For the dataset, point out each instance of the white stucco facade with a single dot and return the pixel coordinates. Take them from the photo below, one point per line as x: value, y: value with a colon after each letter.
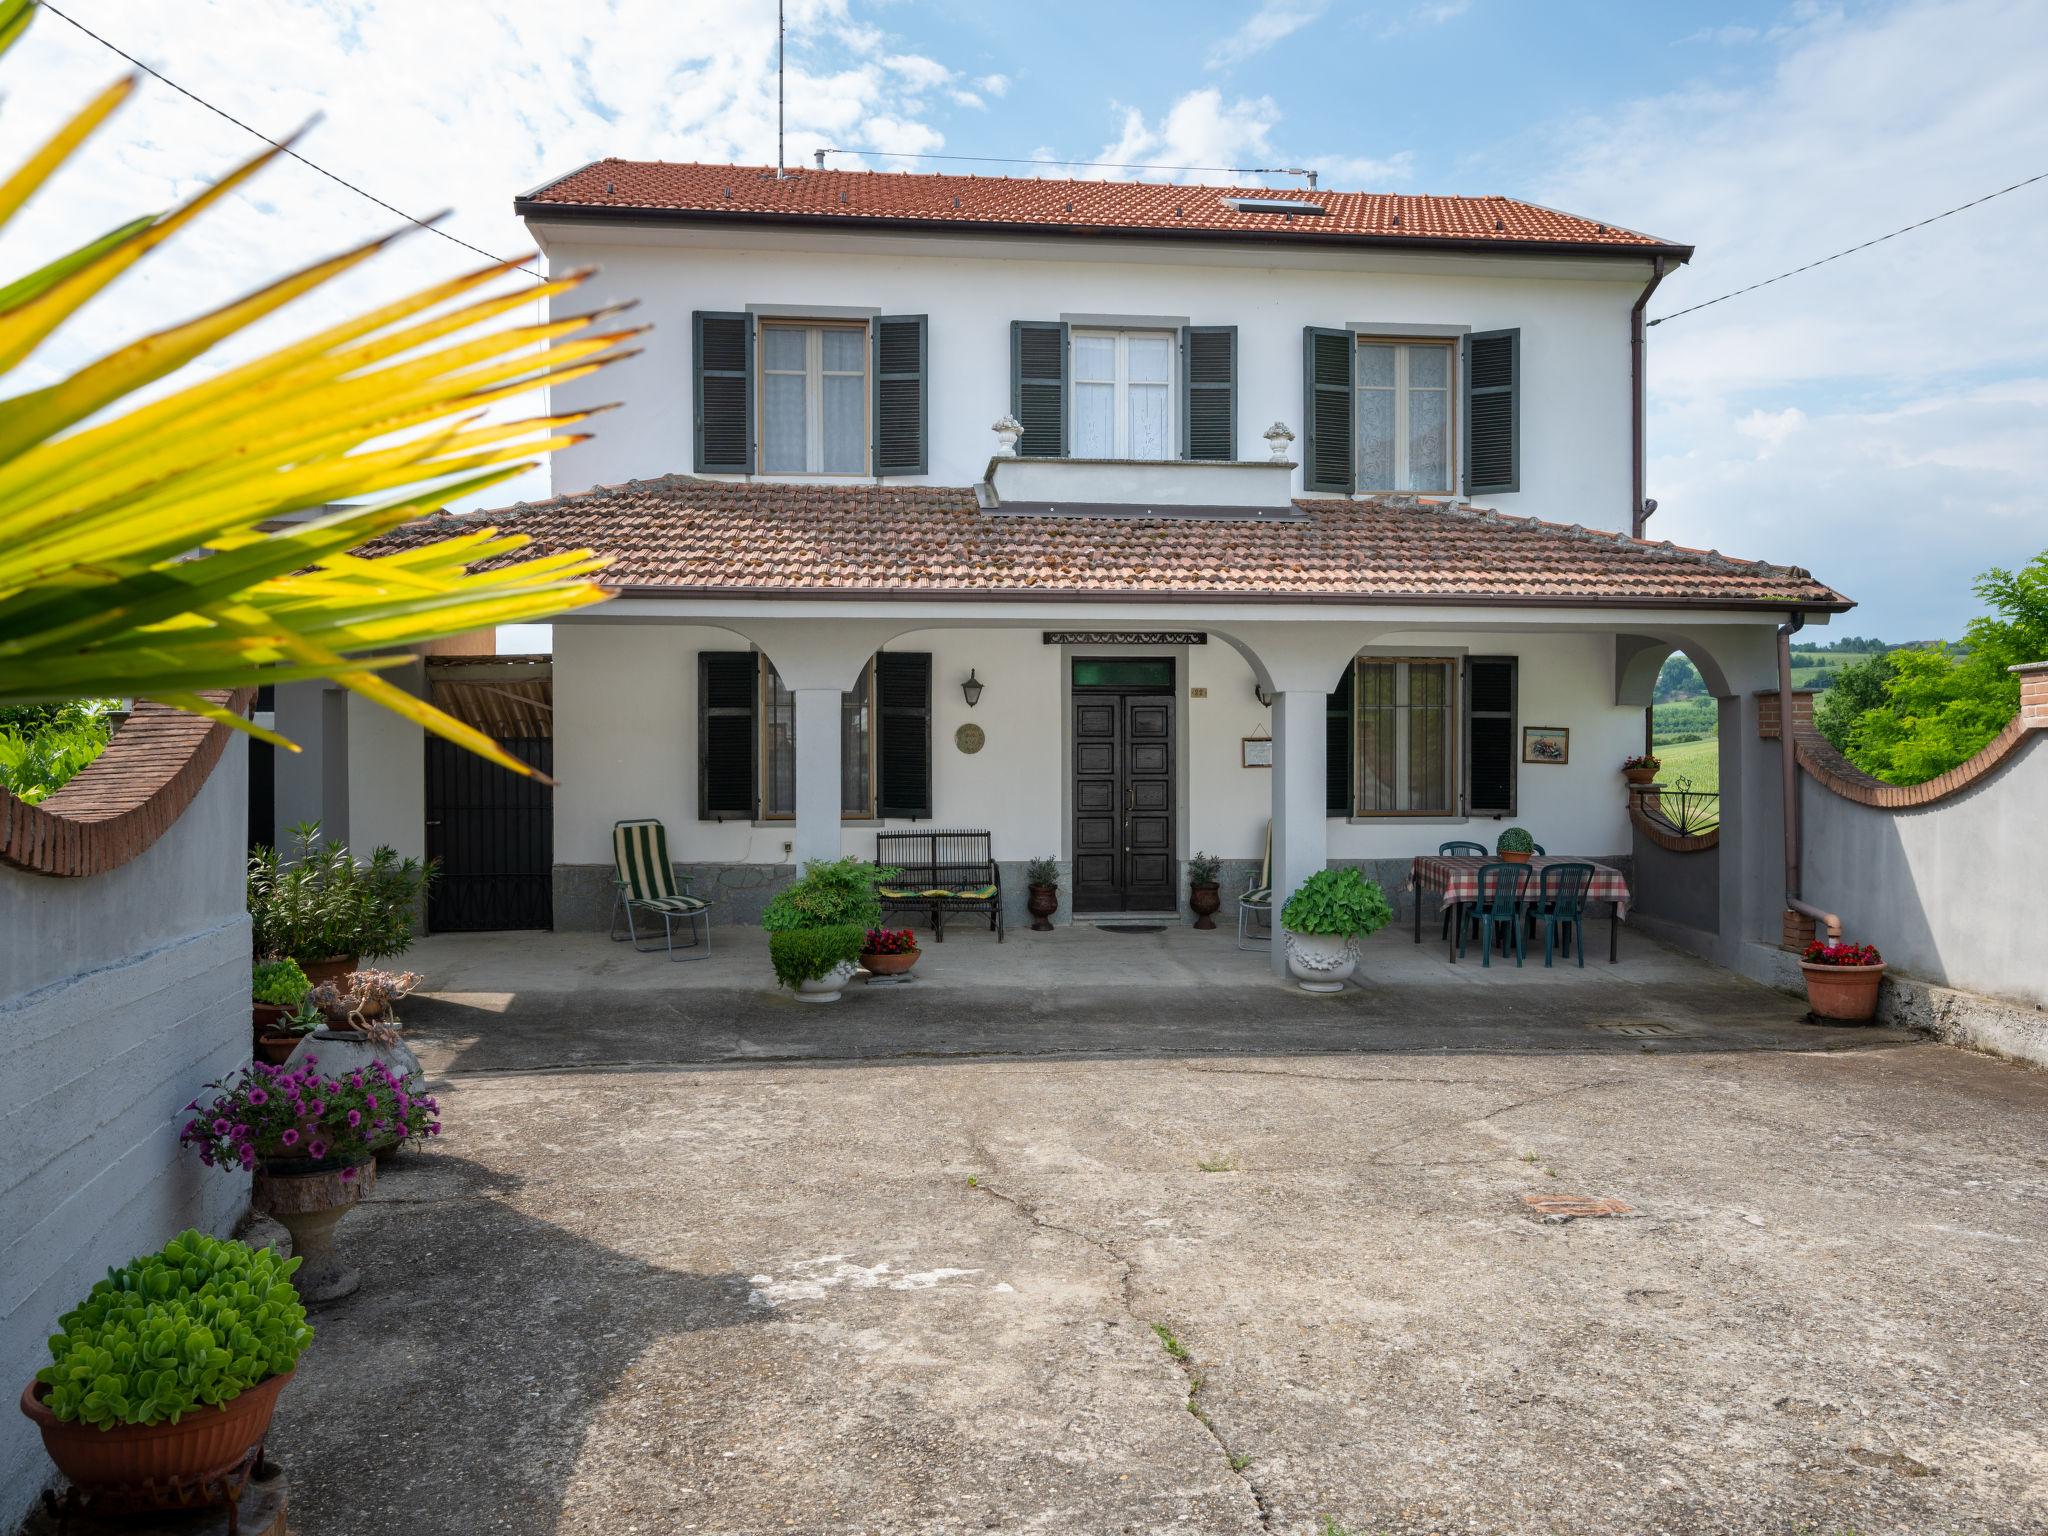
x: 1572, y: 313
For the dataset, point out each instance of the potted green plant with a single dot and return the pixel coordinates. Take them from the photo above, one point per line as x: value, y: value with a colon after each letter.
x: 309, y: 1139
x: 1515, y: 845
x: 1842, y: 981
x: 1203, y: 897
x: 320, y: 906
x: 1323, y: 922
x: 889, y: 951
x: 1042, y: 894
x: 163, y: 1380
x: 818, y: 926
x: 1641, y: 769
x: 278, y: 989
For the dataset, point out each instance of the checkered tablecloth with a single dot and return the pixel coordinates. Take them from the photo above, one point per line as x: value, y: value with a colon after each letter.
x: 1457, y: 879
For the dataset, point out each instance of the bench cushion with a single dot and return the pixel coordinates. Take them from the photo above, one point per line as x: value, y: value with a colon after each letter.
x: 937, y: 893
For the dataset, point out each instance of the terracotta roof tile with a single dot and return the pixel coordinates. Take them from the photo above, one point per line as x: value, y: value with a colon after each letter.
x: 661, y: 188
x: 677, y: 534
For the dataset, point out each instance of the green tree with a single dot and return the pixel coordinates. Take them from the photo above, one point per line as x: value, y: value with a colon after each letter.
x: 1855, y: 689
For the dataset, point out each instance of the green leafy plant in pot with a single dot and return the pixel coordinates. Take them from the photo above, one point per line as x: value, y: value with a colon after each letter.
x: 1515, y: 845
x: 1323, y: 922
x: 1203, y: 896
x: 318, y: 905
x: 818, y: 926
x: 163, y: 1380
x: 1042, y: 892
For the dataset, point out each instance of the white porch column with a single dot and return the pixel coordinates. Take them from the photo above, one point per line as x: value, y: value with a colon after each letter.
x: 817, y: 774
x: 1301, y: 843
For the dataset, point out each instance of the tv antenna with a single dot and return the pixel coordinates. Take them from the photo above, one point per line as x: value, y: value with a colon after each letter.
x: 781, y: 174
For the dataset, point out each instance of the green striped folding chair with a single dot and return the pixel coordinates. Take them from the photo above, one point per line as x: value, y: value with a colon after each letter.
x: 1256, y: 904
x: 646, y: 882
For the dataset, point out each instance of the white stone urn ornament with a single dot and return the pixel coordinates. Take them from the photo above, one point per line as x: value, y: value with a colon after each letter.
x: 1009, y: 431
x: 826, y: 988
x: 1321, y: 962
x: 1280, y: 442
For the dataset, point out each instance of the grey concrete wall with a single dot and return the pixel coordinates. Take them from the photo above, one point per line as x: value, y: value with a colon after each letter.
x: 120, y: 996
x: 1950, y: 892
x: 1682, y: 888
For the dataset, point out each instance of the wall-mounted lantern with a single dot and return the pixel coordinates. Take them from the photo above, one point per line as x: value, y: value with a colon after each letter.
x: 971, y: 689
x: 1263, y: 695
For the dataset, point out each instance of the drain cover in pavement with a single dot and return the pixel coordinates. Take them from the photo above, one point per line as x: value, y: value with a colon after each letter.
x: 1665, y: 1031
x: 1132, y: 927
x: 1574, y: 1207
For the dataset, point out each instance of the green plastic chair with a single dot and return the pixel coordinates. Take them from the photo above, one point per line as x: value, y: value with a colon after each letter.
x: 1498, y: 912
x: 645, y: 881
x: 1561, y: 904
x: 1456, y: 850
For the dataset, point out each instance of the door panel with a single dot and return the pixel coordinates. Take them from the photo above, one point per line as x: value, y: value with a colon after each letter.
x: 1123, y: 801
x: 493, y: 832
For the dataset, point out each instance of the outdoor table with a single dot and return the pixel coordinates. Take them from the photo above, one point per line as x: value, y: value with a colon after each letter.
x: 1457, y: 879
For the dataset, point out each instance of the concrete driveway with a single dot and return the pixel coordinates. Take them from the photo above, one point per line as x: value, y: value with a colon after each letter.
x: 1016, y: 1249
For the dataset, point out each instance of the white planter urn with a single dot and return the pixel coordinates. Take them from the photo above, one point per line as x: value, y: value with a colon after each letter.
x: 826, y: 988
x: 1321, y: 962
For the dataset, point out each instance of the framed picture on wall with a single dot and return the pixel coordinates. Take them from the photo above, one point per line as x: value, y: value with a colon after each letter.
x: 1256, y: 751
x: 1546, y: 744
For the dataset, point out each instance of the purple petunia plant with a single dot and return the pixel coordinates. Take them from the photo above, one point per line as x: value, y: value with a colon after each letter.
x: 266, y: 1114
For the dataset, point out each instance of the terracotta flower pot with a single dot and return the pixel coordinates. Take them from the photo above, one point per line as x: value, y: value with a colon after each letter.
x: 1847, y: 993
x: 268, y: 1016
x: 889, y: 965
x: 1203, y: 900
x: 1640, y: 775
x: 1512, y: 858
x: 309, y: 1199
x: 134, y: 1467
x: 274, y: 1048
x: 336, y: 968
x: 1041, y: 903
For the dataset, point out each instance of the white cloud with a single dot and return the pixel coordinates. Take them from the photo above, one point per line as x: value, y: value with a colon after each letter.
x: 918, y: 72
x: 1200, y: 129
x: 993, y: 85
x: 1363, y: 173
x: 1270, y: 22
x: 968, y: 99
x: 1424, y: 16
x: 1878, y: 419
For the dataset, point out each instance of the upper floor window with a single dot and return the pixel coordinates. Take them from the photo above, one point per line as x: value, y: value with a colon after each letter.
x: 1123, y: 394
x: 1405, y: 419
x: 814, y: 399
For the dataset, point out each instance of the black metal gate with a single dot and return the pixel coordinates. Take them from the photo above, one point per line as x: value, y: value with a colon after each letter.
x: 494, y: 833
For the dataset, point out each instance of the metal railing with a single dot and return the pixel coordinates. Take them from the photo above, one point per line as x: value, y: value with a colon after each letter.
x: 1687, y: 811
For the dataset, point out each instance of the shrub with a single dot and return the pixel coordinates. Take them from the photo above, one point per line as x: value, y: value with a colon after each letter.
x: 194, y: 1325
x: 890, y: 941
x: 280, y: 983
x: 280, y: 1113
x: 1842, y: 954
x: 1515, y: 840
x: 1203, y: 869
x: 832, y: 893
x: 1340, y: 903
x: 1042, y: 872
x: 811, y: 954
x: 320, y: 902
x: 41, y: 750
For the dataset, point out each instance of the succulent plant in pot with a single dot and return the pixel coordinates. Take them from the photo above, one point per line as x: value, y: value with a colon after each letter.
x: 1042, y: 898
x: 1515, y: 845
x: 1203, y: 896
x: 276, y: 987
x: 1323, y: 922
x: 161, y: 1383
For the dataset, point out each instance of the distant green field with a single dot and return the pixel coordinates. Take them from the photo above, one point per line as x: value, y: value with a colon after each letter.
x: 1699, y: 761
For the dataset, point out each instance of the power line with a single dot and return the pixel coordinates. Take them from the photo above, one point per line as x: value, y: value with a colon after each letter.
x: 266, y: 138
x: 1852, y: 250
x: 1091, y: 165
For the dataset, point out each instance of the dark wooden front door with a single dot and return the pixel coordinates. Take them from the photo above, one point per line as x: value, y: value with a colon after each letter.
x: 493, y: 832
x: 1123, y: 802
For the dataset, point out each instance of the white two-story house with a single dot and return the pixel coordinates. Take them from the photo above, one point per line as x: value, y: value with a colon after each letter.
x: 1125, y: 521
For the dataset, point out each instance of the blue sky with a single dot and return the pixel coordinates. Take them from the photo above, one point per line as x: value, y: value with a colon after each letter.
x: 1883, y: 421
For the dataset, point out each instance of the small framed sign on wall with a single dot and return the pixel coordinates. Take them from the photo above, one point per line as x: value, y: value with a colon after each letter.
x: 1257, y: 751
x: 1546, y: 744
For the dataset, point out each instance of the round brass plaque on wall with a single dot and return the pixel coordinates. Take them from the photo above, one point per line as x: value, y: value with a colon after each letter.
x: 970, y: 739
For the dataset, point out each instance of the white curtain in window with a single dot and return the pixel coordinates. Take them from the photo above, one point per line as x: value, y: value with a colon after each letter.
x: 1122, y: 395
x: 1404, y: 737
x: 1404, y: 416
x: 843, y: 401
x: 784, y: 385
x: 814, y: 400
x: 1149, y: 367
x: 1094, y: 397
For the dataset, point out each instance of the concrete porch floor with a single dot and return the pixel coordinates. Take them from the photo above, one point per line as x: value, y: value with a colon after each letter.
x: 693, y: 1257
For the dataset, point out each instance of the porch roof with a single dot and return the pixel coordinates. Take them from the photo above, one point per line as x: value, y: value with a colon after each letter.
x: 680, y: 536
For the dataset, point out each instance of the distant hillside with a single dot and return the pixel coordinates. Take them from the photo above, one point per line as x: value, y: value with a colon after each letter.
x: 1685, y: 711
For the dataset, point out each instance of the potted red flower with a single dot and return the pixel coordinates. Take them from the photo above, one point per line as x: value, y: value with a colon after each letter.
x: 889, y: 951
x: 1842, y: 980
x: 1641, y: 769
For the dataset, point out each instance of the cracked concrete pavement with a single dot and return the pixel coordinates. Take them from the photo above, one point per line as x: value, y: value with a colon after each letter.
x: 692, y: 1257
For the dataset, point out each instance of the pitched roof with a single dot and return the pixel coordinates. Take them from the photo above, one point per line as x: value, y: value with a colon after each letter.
x: 661, y: 189
x: 678, y: 536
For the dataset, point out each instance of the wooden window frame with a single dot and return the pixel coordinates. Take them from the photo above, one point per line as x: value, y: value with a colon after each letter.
x: 814, y: 392
x: 1453, y: 396
x: 1120, y: 383
x: 764, y: 669
x: 1453, y: 738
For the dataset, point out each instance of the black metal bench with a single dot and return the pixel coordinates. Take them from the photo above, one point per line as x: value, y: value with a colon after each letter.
x: 944, y: 870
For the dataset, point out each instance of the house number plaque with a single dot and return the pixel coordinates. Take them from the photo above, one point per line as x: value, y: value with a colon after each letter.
x: 970, y: 739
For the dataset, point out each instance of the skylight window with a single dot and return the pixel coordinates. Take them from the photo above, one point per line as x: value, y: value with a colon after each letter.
x: 1274, y: 205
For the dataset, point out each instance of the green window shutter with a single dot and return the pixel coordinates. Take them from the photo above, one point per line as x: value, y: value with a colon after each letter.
x: 1490, y: 735
x: 1326, y: 406
x: 1337, y: 748
x: 903, y: 708
x: 902, y: 394
x: 1038, y: 386
x: 725, y: 735
x: 722, y: 346
x: 1208, y: 391
x: 1493, y: 412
